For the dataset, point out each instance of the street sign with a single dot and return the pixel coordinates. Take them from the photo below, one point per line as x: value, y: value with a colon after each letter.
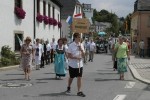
x: 80, y: 25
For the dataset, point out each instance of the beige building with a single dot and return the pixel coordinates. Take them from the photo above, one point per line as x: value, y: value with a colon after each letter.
x: 140, y: 23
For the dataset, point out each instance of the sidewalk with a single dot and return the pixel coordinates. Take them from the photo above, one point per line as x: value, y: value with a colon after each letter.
x: 140, y: 68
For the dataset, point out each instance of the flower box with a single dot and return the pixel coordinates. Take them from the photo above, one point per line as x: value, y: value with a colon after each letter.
x: 39, y: 18
x: 50, y: 21
x: 46, y: 20
x: 59, y: 25
x: 55, y: 22
x: 20, y: 13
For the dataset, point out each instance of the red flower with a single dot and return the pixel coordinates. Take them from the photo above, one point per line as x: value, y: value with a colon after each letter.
x: 59, y: 25
x: 20, y: 13
x: 46, y: 20
x: 50, y: 21
x: 39, y: 18
x: 55, y: 22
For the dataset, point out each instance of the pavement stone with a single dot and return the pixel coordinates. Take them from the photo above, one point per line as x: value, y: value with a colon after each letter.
x: 140, y: 68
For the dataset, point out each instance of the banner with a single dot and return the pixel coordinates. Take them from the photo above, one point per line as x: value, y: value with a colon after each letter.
x: 78, y: 16
x: 80, y: 25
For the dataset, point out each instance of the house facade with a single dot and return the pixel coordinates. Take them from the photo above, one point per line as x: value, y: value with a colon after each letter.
x: 19, y: 20
x: 87, y: 10
x: 70, y: 8
x: 101, y: 26
x: 140, y: 23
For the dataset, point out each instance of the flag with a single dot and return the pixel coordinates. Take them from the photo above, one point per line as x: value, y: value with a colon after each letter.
x: 69, y: 20
x: 78, y: 15
x: 20, y: 42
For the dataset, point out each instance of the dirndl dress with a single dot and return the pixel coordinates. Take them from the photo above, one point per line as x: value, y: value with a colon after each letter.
x: 122, y: 65
x: 59, y: 63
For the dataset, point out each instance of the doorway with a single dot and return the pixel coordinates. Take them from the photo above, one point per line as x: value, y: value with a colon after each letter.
x: 18, y: 41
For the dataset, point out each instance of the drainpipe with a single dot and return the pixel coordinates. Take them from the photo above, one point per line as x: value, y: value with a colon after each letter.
x: 34, y: 27
x: 60, y: 21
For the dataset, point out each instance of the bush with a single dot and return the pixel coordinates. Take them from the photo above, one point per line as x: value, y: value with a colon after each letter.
x: 5, y: 61
x: 8, y: 57
x: 5, y: 51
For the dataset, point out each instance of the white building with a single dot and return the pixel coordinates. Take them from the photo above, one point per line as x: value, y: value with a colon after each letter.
x: 101, y: 26
x: 88, y: 11
x: 11, y: 26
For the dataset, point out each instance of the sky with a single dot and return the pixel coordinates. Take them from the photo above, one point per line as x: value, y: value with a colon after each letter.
x: 120, y: 7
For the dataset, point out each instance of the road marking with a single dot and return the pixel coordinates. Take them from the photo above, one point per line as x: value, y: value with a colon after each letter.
x: 130, y: 85
x: 120, y: 97
x: 14, y: 85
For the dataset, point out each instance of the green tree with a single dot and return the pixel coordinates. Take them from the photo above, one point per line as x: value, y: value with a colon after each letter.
x: 127, y: 24
x: 106, y: 16
x: 103, y: 12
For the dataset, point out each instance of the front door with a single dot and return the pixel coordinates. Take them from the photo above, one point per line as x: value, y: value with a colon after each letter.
x: 18, y: 41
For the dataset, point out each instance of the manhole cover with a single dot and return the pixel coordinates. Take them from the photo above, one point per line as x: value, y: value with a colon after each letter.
x: 14, y: 85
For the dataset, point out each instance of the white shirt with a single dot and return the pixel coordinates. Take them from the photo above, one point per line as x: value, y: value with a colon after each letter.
x: 38, y: 53
x: 48, y: 47
x: 74, y: 50
x: 66, y: 48
x: 59, y: 48
x: 53, y: 45
x: 86, y: 46
x: 141, y: 44
x: 92, y: 46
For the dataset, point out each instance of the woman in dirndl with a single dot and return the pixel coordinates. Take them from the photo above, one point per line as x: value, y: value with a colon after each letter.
x: 59, y: 62
x: 122, y: 54
x: 27, y: 52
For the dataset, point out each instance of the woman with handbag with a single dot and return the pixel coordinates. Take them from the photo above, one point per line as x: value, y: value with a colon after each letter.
x: 122, y: 53
x: 114, y: 58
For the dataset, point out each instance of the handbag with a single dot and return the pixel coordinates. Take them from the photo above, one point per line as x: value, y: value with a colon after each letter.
x: 115, y: 59
x: 115, y: 64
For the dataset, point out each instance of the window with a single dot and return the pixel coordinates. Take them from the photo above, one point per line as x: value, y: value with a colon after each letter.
x: 44, y: 8
x: 38, y: 6
x: 53, y: 12
x: 58, y: 18
x: 18, y: 3
x: 49, y: 10
x: 79, y: 10
x: 18, y: 40
x: 76, y: 10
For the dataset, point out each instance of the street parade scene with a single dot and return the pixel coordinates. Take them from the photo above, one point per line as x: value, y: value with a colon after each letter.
x: 75, y: 50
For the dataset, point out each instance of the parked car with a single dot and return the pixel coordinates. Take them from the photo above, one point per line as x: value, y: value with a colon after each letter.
x: 100, y: 47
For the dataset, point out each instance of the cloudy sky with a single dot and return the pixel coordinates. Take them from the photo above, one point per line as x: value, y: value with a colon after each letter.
x: 120, y: 7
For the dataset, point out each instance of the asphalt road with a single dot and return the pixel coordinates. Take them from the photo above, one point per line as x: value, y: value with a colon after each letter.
x: 100, y: 82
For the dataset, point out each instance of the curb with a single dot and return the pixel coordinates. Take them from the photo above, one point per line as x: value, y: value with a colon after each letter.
x: 137, y: 76
x: 8, y: 68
